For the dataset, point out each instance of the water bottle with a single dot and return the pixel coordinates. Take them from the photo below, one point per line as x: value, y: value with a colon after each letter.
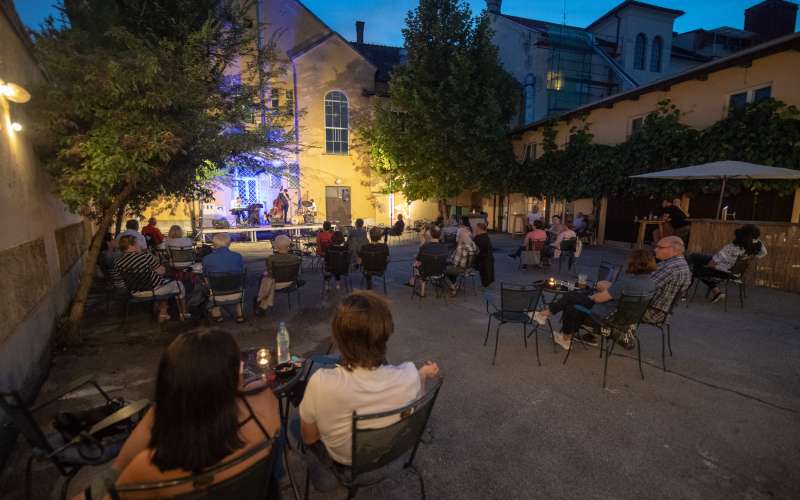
x: 283, y: 344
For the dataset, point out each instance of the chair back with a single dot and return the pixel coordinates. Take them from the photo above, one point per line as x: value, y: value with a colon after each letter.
x: 536, y: 245
x: 225, y: 283
x: 373, y: 261
x: 337, y: 260
x: 12, y: 405
x: 432, y: 265
x: 286, y: 273
x: 741, y: 265
x: 137, y: 280
x: 256, y: 482
x: 181, y: 257
x: 374, y: 448
x: 449, y: 237
x: 518, y: 299
x: 630, y: 310
x: 346, y: 230
x: 569, y: 245
x: 607, y: 272
x: 531, y: 258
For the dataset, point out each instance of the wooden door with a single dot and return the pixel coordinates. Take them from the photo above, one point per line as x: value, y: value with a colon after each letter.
x: 337, y: 204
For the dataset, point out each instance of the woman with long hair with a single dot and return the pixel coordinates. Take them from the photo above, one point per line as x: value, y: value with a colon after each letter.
x: 200, y: 417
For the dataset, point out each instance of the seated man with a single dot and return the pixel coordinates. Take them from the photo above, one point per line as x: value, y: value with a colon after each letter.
x: 435, y: 248
x: 375, y: 235
x: 356, y: 239
x: 280, y: 257
x: 151, y: 232
x: 396, y: 230
x: 132, y: 229
x: 336, y: 250
x: 535, y: 236
x: 135, y: 261
x: 324, y: 238
x: 362, y: 382
x: 223, y: 261
x: 671, y: 278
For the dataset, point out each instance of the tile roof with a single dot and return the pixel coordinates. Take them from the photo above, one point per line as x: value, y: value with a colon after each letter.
x: 384, y: 57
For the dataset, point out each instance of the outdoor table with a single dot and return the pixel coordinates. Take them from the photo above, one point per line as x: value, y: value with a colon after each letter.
x: 282, y: 385
x: 643, y: 223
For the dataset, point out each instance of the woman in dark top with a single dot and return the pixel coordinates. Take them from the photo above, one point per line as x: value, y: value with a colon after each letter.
x: 200, y: 417
x: 333, y: 257
x: 484, y: 261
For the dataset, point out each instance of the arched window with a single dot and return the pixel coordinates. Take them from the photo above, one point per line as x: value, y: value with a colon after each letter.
x: 639, y: 51
x: 655, y: 55
x: 336, y: 123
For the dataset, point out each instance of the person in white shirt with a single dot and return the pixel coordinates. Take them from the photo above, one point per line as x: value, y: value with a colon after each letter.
x: 132, y: 229
x: 534, y: 215
x: 362, y: 382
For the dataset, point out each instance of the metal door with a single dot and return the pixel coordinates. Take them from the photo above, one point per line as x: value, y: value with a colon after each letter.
x: 337, y: 204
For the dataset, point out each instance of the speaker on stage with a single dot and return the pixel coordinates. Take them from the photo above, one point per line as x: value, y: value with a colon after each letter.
x: 220, y: 224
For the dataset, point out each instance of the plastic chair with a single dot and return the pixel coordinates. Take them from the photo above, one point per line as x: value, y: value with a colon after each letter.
x: 256, y: 482
x: 375, y: 448
x: 516, y: 301
x: 67, y: 456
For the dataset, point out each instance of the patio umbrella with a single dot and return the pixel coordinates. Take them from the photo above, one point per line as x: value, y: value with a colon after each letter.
x: 724, y: 170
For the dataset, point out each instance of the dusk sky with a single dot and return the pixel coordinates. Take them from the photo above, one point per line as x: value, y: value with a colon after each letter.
x: 385, y: 18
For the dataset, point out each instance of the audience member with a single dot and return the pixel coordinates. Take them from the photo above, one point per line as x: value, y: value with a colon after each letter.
x: 671, y: 278
x: 579, y: 222
x: 375, y: 247
x: 280, y: 257
x: 324, y: 238
x: 176, y: 239
x: 450, y: 230
x: 200, y: 418
x: 396, y: 230
x: 223, y: 261
x: 554, y: 248
x: 460, y: 259
x: 356, y: 239
x: 109, y: 253
x: 432, y: 248
x: 484, y: 262
x: 132, y: 229
x: 135, y: 261
x: 709, y: 269
x: 534, y: 237
x: 333, y: 254
x: 603, y: 301
x: 362, y: 382
x: 556, y: 227
x: 534, y: 214
x: 152, y: 233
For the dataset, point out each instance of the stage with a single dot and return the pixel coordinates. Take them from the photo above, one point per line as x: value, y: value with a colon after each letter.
x: 291, y: 229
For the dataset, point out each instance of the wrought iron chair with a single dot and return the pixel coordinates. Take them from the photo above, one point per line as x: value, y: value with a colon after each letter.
x: 374, y: 264
x: 140, y: 289
x: 69, y: 456
x: 624, y: 320
x: 607, y: 272
x: 255, y: 482
x: 568, y: 249
x: 373, y: 449
x: 660, y: 319
x: 337, y: 263
x: 226, y: 289
x: 431, y: 271
x: 736, y: 275
x: 288, y: 273
x: 516, y: 301
x: 181, y: 258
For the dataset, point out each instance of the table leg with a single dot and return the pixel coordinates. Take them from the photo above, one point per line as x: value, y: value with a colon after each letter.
x: 640, y: 237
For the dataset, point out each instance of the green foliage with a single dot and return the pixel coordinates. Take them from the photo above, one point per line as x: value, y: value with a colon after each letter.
x: 147, y: 94
x: 767, y: 132
x: 443, y: 129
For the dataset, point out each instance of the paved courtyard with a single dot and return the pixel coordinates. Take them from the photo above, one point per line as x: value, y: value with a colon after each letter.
x: 722, y: 422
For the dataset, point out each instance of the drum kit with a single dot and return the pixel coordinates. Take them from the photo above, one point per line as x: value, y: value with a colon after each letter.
x: 307, y: 211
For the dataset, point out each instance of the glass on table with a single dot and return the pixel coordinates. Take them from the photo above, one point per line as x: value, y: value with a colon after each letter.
x: 263, y: 358
x: 582, y: 278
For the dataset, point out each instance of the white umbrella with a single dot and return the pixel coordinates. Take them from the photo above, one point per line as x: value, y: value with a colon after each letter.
x: 724, y: 170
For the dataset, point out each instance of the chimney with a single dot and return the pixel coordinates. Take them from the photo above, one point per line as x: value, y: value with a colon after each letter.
x: 360, y: 32
x: 493, y: 6
x: 771, y: 19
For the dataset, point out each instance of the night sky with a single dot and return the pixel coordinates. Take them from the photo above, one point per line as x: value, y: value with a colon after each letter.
x: 385, y: 18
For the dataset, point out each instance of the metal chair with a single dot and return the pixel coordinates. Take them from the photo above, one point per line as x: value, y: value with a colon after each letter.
x: 256, y: 482
x: 516, y: 301
x: 288, y: 273
x: 69, y: 456
x: 374, y: 264
x: 337, y: 262
x: 660, y: 319
x: 181, y: 258
x: 226, y: 289
x: 736, y: 275
x: 139, y: 284
x: 568, y: 248
x: 467, y: 273
x: 532, y: 256
x: 375, y: 448
x: 627, y: 317
x: 431, y: 271
x: 607, y: 272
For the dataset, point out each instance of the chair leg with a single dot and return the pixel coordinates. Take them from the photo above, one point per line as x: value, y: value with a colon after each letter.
x: 308, y: 482
x: 28, y: 473
x: 536, y: 341
x: 488, y: 327
x: 663, y: 341
x: 552, y: 336
x: 609, y: 351
x: 569, y: 351
x: 524, y: 334
x: 496, y: 341
x: 639, y: 353
x: 669, y: 338
x: 741, y: 295
x: 725, y: 300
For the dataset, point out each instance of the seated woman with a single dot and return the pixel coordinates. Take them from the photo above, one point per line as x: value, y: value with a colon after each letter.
x: 461, y: 256
x: 324, y: 238
x: 535, y: 234
x: 200, y: 417
x: 709, y: 269
x: 362, y: 382
x: 176, y: 239
x: 554, y: 249
x: 336, y: 248
x: 635, y: 282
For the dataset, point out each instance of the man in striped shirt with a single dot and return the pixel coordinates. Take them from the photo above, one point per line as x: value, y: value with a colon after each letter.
x: 143, y: 276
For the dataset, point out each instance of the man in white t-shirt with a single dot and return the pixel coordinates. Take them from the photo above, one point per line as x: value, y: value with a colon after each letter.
x: 132, y: 229
x: 534, y: 215
x: 362, y: 382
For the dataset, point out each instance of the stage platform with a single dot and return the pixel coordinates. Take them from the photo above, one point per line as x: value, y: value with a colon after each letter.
x: 291, y: 229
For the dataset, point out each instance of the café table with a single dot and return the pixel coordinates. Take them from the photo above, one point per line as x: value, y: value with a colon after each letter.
x: 643, y: 223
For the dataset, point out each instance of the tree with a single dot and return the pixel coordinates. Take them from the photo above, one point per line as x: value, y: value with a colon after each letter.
x: 443, y: 129
x: 147, y: 99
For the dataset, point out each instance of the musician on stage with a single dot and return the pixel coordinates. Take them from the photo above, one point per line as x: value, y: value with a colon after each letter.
x: 236, y: 209
x: 286, y: 200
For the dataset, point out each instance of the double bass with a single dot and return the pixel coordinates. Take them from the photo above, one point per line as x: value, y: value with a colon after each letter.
x: 277, y: 208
